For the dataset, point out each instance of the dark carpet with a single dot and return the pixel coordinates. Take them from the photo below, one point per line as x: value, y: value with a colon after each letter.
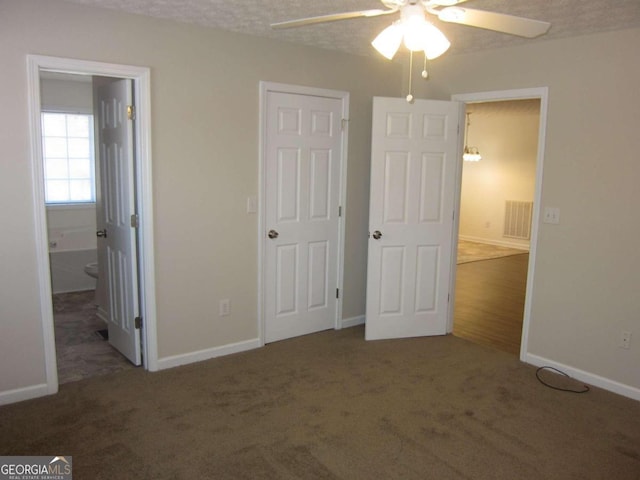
x: 332, y: 406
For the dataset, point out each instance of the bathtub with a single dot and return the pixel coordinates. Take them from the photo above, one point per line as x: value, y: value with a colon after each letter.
x: 69, y: 251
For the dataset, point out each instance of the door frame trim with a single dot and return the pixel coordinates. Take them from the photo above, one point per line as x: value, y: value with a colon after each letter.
x: 541, y: 93
x: 265, y: 88
x: 144, y: 202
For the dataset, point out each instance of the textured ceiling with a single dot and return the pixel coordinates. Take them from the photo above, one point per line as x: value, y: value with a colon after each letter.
x: 253, y: 17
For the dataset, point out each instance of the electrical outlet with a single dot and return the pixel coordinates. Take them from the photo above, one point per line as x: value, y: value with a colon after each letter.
x: 224, y: 307
x: 625, y: 339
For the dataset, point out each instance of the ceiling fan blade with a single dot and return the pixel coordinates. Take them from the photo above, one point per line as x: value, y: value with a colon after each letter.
x: 499, y: 22
x: 441, y: 3
x: 332, y: 18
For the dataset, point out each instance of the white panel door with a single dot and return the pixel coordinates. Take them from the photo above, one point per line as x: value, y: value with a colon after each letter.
x: 303, y: 158
x: 115, y: 140
x: 413, y: 171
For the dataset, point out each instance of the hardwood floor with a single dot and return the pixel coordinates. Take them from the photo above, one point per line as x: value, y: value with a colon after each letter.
x: 489, y: 302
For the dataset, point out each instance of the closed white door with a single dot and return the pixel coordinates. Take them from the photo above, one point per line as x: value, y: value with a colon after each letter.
x: 302, y: 165
x: 118, y: 236
x: 413, y: 172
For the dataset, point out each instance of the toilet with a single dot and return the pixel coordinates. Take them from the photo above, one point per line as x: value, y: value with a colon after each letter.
x: 91, y: 269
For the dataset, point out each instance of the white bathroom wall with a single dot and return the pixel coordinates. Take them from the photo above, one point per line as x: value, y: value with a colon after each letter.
x: 62, y: 219
x: 66, y: 93
x: 67, y: 271
x: 506, y: 134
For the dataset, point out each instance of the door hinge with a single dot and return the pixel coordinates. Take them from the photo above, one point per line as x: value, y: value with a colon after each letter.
x: 137, y: 322
x: 344, y: 123
x: 131, y: 112
x: 337, y: 293
x: 340, y: 211
x: 135, y: 221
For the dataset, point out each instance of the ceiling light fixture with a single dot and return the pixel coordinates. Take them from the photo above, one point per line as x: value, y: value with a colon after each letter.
x: 471, y: 154
x: 417, y: 33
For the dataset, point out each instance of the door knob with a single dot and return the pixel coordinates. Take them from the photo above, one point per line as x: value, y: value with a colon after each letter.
x: 273, y: 234
x: 377, y: 234
x: 102, y: 233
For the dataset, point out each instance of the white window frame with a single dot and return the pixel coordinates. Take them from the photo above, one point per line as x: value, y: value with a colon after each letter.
x: 73, y: 203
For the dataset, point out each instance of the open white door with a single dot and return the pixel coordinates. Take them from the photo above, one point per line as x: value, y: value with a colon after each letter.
x: 413, y: 172
x: 115, y: 140
x: 302, y: 165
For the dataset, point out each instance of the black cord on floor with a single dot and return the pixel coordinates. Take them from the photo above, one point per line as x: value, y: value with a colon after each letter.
x: 585, y: 388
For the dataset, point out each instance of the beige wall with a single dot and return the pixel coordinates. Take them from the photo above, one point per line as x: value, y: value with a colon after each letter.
x: 586, y: 286
x: 205, y: 165
x: 506, y: 134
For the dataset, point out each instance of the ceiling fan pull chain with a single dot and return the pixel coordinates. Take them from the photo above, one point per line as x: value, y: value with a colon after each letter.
x: 425, y: 74
x: 410, y: 96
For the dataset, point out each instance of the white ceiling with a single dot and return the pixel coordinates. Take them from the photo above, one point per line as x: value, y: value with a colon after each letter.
x: 253, y: 17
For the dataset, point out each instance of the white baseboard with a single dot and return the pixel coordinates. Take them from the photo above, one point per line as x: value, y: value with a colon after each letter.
x: 102, y: 314
x: 353, y: 321
x: 207, y: 354
x: 586, y: 377
x: 25, y: 393
x: 499, y: 243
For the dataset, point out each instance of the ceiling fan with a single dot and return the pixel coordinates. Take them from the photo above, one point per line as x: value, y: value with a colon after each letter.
x: 413, y: 11
x: 419, y: 34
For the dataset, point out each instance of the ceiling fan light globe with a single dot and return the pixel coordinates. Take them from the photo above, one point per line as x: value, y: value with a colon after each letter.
x: 415, y: 34
x: 436, y: 43
x: 388, y: 41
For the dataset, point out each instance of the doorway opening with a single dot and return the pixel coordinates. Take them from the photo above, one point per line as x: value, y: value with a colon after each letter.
x: 138, y: 77
x: 499, y: 206
x: 75, y: 204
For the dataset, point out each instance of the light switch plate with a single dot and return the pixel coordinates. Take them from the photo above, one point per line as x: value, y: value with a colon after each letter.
x: 551, y: 215
x: 252, y: 205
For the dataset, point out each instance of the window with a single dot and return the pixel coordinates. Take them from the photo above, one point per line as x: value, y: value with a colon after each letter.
x: 67, y: 146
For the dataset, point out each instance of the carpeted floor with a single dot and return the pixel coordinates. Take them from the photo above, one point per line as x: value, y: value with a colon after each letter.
x: 81, y: 352
x: 332, y: 406
x: 475, y: 251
